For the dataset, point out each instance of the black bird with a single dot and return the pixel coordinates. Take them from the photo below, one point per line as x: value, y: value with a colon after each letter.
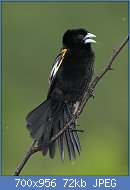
x: 70, y: 77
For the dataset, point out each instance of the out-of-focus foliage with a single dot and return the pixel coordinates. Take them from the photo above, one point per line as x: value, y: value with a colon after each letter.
x: 31, y: 39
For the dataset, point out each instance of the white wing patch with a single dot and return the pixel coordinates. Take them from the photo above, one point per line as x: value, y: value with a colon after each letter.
x: 57, y: 65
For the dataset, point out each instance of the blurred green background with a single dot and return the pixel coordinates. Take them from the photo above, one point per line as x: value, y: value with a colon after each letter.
x: 31, y: 39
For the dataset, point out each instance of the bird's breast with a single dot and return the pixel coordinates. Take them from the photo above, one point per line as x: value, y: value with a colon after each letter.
x: 74, y: 70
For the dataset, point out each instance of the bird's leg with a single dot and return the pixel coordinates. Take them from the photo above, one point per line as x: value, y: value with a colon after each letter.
x: 72, y: 127
x: 76, y: 106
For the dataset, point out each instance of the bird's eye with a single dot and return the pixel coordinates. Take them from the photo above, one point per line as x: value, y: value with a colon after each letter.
x: 80, y: 36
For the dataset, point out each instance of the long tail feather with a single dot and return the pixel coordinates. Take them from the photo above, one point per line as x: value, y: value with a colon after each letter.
x: 45, y: 121
x: 61, y: 139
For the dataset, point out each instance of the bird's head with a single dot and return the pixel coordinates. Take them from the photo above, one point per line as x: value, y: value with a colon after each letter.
x: 77, y: 38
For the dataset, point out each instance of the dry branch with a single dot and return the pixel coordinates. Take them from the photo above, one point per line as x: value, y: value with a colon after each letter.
x: 33, y: 149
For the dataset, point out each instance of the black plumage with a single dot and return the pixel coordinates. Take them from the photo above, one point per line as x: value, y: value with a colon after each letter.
x: 70, y: 77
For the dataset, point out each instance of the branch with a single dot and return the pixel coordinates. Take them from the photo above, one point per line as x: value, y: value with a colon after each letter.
x: 25, y: 159
x: 33, y: 149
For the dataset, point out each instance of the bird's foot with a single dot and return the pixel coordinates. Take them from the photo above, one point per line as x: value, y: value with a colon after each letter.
x: 90, y: 91
x: 76, y: 130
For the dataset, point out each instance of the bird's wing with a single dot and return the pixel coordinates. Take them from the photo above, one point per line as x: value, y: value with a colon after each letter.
x: 55, y: 68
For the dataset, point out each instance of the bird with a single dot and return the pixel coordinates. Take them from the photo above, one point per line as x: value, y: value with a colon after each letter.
x: 69, y: 79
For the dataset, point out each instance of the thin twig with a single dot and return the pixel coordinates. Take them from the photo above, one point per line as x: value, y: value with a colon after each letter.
x: 25, y: 159
x: 102, y: 73
x: 33, y: 149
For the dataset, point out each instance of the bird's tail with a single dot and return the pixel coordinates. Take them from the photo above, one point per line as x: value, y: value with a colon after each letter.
x: 46, y: 120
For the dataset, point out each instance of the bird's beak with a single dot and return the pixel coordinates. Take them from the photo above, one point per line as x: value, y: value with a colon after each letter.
x: 87, y: 38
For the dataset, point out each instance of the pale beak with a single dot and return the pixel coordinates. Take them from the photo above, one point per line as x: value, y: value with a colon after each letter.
x: 87, y: 38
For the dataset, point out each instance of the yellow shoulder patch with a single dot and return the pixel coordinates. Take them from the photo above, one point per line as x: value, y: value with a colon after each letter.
x: 63, y: 52
x: 57, y: 64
